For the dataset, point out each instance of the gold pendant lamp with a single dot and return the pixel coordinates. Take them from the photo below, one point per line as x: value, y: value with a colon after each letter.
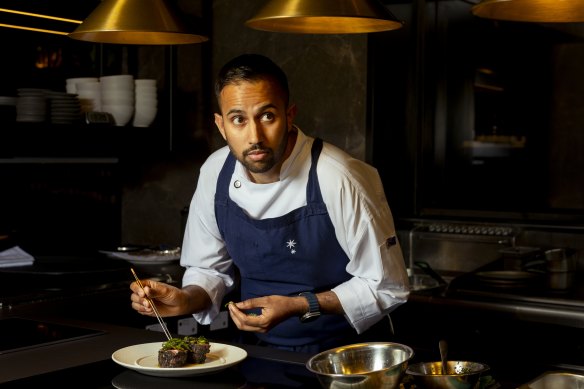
x: 135, y: 22
x: 324, y: 17
x: 542, y: 11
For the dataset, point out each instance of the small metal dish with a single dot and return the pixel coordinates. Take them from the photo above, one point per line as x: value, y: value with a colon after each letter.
x: 556, y: 380
x: 460, y: 374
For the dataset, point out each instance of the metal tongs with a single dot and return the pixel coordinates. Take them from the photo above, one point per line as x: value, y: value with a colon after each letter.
x: 162, y: 324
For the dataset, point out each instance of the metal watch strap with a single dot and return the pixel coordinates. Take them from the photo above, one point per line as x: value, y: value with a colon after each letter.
x: 313, y: 307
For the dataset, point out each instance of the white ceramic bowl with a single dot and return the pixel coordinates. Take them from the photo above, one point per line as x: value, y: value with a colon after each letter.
x: 143, y: 117
x: 117, y: 79
x: 80, y: 79
x: 71, y: 83
x: 147, y: 102
x: 145, y: 88
x: 89, y: 94
x: 88, y: 86
x: 140, y: 82
x: 116, y: 84
x: 117, y: 100
x: 122, y: 113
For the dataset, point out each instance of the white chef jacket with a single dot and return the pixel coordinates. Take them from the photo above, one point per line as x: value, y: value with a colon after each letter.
x: 356, y: 203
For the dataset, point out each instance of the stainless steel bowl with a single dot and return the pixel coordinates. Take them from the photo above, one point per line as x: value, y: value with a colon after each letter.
x: 373, y: 365
x: 461, y: 374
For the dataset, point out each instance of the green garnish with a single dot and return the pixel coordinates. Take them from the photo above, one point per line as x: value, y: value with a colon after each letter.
x: 196, y: 340
x: 184, y: 344
x: 176, y: 344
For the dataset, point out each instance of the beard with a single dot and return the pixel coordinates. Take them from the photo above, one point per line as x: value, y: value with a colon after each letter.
x: 273, y: 157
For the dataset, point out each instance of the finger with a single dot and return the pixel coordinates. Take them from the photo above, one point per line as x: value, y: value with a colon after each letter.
x: 136, y: 289
x: 253, y: 324
x: 140, y: 308
x: 235, y: 312
x: 246, y: 321
x: 240, y: 319
x: 251, y: 303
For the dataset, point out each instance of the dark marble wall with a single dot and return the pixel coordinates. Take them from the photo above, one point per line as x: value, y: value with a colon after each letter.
x: 327, y: 75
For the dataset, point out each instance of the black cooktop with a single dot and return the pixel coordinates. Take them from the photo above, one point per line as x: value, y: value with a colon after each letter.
x: 52, y: 278
x: 18, y: 333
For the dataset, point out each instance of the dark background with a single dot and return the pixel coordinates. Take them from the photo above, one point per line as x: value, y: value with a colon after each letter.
x: 418, y: 103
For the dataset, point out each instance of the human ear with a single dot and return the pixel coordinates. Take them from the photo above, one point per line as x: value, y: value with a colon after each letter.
x: 220, y: 125
x: 291, y: 114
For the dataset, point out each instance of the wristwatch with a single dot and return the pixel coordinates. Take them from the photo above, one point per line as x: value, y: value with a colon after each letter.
x: 313, y: 307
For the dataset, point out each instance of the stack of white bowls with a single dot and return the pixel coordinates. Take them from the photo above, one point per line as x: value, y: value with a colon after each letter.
x: 71, y: 83
x: 146, y: 105
x: 117, y: 97
x: 89, y: 95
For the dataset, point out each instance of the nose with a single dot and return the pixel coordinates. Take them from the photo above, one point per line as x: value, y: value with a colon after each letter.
x: 256, y: 132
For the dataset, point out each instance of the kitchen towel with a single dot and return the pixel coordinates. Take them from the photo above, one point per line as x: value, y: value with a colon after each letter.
x: 15, y: 256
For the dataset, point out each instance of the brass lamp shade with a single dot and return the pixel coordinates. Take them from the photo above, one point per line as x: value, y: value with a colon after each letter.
x: 135, y: 22
x: 542, y: 11
x: 324, y: 17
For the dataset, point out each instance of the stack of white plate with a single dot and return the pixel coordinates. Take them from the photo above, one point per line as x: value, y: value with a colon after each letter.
x: 146, y: 105
x: 65, y: 107
x: 117, y: 97
x: 31, y: 105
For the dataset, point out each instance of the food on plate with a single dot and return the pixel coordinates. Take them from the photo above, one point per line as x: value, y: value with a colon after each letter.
x: 200, y: 347
x: 174, y: 353
x: 178, y: 352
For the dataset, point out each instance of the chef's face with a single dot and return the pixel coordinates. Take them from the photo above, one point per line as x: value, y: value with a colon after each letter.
x: 256, y: 121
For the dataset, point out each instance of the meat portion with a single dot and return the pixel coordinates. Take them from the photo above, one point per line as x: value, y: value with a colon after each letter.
x: 178, y: 352
x: 200, y: 347
x: 172, y: 358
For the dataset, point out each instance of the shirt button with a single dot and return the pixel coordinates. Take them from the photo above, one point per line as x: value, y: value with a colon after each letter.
x: 237, y: 184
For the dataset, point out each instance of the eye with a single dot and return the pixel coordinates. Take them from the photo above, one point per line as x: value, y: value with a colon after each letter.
x: 237, y: 120
x: 268, y: 117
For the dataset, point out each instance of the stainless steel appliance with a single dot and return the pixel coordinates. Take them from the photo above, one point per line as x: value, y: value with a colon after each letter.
x: 452, y: 248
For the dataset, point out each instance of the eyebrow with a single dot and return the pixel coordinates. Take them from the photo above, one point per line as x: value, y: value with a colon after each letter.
x: 261, y: 109
x: 232, y: 111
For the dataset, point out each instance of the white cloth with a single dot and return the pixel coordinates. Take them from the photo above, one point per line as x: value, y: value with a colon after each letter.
x: 355, y: 200
x: 15, y: 256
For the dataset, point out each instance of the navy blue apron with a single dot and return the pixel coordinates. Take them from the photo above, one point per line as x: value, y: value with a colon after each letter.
x: 286, y: 255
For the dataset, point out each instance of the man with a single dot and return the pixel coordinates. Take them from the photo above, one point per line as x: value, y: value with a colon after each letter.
x: 298, y: 226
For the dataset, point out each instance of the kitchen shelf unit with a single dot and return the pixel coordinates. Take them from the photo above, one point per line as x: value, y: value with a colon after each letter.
x: 26, y: 142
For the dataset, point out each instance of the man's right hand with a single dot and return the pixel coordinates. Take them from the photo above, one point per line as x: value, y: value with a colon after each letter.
x: 169, y: 300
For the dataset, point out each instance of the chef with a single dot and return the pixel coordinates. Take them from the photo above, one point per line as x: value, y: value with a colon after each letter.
x: 300, y: 229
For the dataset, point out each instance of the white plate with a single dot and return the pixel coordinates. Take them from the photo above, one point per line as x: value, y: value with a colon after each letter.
x: 143, y: 358
x: 143, y: 259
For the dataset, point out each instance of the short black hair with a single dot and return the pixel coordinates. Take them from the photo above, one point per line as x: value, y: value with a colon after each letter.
x: 250, y: 67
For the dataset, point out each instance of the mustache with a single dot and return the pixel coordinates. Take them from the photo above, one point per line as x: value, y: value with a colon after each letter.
x: 256, y: 147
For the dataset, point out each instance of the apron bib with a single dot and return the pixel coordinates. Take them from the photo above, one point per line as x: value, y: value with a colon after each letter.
x: 286, y: 255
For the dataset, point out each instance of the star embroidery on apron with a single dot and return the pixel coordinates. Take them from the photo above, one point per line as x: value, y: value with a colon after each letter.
x: 291, y: 244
